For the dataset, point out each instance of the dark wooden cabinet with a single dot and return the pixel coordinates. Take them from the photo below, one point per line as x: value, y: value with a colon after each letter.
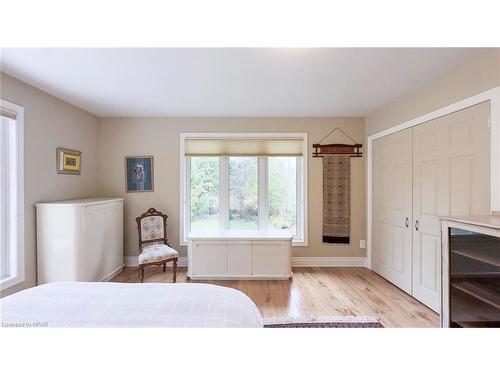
x: 471, y: 269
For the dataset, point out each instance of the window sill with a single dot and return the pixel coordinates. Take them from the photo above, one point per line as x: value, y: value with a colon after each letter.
x: 247, y: 234
x: 299, y: 242
x: 10, y: 281
x: 241, y: 235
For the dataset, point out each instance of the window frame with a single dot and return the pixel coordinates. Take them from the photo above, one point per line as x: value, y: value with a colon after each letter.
x: 16, y: 200
x: 301, y: 239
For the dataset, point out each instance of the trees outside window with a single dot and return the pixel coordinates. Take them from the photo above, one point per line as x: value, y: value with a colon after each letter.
x: 204, y: 193
x: 282, y: 193
x: 243, y: 193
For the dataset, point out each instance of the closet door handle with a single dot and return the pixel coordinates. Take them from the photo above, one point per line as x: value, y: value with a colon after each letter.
x: 417, y: 225
x: 407, y: 223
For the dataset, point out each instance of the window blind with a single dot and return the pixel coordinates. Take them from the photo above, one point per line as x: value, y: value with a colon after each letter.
x: 243, y: 147
x: 4, y: 112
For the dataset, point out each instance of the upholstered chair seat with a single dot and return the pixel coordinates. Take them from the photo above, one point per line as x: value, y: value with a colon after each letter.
x: 156, y: 253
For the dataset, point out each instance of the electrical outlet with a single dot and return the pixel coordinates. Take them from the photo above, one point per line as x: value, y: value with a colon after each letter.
x: 362, y: 244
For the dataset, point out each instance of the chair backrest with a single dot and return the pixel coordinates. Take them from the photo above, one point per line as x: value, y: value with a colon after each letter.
x: 152, y: 227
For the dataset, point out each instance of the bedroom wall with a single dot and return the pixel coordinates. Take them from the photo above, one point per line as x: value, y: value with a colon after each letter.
x: 48, y: 123
x: 51, y: 122
x: 479, y: 74
x: 159, y: 137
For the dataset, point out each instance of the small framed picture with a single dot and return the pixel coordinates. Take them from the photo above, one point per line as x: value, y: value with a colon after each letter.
x: 69, y: 161
x: 139, y: 173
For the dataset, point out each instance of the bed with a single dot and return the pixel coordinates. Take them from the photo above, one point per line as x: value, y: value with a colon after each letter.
x: 89, y: 304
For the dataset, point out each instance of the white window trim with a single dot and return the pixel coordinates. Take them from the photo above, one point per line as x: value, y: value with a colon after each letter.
x: 262, y: 167
x: 17, y: 257
x: 302, y: 191
x: 223, y: 193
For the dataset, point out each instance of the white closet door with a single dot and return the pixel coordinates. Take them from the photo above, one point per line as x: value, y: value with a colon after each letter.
x: 392, y: 209
x: 451, y: 176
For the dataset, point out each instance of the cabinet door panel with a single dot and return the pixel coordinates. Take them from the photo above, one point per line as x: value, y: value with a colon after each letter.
x: 239, y: 258
x: 102, y: 251
x: 269, y: 258
x: 91, y: 259
x: 208, y: 258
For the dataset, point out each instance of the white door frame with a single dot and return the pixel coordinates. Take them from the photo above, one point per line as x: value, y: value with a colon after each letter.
x: 492, y: 95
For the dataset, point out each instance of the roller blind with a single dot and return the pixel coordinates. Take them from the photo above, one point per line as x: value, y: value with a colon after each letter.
x: 4, y: 112
x: 243, y: 147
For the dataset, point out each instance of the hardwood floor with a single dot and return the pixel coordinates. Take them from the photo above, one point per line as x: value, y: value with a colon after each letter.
x: 318, y: 292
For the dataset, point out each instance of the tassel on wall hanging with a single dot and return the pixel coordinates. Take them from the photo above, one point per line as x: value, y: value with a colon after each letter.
x: 337, y: 187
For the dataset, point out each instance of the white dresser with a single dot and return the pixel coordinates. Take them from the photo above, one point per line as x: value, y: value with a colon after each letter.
x: 79, y: 240
x: 240, y: 255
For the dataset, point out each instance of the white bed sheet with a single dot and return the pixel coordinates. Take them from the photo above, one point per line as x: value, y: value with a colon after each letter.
x: 88, y: 304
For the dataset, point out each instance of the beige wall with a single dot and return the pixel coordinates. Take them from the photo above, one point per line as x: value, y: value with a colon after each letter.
x: 48, y: 123
x: 479, y: 74
x: 160, y: 137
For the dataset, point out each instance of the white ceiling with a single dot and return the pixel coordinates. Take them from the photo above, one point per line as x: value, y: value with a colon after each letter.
x: 231, y: 82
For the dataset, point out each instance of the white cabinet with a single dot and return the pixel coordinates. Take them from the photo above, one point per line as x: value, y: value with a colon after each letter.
x: 248, y: 255
x: 79, y: 240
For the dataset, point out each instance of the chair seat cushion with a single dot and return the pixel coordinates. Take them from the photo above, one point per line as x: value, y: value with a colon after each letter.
x: 157, y: 253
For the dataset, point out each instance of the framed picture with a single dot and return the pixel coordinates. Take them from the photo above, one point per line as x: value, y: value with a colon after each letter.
x: 139, y: 173
x: 68, y: 161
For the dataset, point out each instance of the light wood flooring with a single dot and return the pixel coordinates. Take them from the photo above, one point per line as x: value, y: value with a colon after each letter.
x: 318, y: 291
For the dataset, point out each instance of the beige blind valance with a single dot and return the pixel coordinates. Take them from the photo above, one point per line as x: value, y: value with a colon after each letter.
x: 4, y: 112
x: 243, y: 147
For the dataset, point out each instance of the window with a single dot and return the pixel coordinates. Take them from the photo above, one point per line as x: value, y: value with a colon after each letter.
x: 243, y: 184
x: 11, y: 195
x: 243, y: 193
x: 282, y: 193
x: 204, y: 193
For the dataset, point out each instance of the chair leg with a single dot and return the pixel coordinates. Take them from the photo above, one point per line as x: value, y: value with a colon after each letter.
x: 175, y: 270
x: 164, y: 266
x: 141, y: 274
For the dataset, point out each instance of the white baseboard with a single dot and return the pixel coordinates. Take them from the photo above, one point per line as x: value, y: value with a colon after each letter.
x: 296, y: 262
x: 328, y: 262
x: 112, y: 274
x: 225, y: 277
x: 130, y: 261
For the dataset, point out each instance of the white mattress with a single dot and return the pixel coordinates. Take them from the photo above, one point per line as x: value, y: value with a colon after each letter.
x: 86, y: 304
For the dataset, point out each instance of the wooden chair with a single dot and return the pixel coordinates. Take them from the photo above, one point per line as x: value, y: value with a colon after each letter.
x: 154, y: 249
